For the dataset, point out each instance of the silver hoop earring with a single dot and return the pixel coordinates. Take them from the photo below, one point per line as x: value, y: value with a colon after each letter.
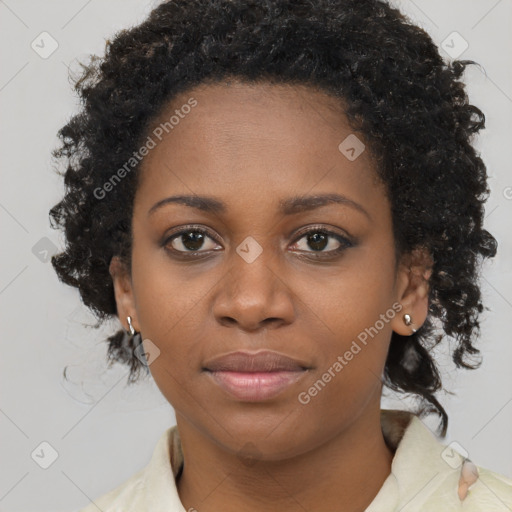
x: 129, y: 320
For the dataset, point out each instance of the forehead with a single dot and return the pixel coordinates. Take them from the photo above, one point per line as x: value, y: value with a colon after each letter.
x: 255, y: 139
x: 232, y: 108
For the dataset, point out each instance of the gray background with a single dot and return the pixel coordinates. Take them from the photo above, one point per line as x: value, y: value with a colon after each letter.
x: 102, y: 430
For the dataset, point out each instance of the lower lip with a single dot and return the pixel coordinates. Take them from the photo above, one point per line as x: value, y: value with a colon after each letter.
x: 255, y: 386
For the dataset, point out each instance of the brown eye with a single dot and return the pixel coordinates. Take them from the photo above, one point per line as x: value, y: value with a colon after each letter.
x: 190, y: 241
x: 322, y: 241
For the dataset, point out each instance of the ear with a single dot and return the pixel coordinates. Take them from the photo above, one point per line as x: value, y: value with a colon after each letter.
x: 412, y: 289
x: 123, y: 292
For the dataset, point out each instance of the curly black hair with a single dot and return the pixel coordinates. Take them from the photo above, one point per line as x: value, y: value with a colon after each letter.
x: 400, y: 95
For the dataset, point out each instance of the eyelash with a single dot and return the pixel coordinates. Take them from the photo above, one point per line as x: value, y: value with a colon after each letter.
x: 345, y: 243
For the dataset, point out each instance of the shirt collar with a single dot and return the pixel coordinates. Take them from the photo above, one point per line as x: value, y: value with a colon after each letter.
x: 419, y: 465
x: 417, y: 459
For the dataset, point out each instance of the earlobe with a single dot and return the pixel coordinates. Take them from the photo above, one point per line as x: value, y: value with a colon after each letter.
x: 123, y: 292
x: 413, y: 292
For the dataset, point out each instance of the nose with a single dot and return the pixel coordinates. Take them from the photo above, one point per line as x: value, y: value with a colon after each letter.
x: 254, y: 295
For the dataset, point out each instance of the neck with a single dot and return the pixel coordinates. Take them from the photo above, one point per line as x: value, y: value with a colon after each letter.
x: 345, y: 473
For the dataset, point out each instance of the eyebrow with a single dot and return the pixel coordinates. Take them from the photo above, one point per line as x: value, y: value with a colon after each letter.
x: 290, y: 206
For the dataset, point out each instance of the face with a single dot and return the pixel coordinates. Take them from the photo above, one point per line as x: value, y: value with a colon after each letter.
x: 258, y: 269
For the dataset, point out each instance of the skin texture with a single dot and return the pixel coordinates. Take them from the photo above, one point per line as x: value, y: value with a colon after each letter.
x: 251, y: 146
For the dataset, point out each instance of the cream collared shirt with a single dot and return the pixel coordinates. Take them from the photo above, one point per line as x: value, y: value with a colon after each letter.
x: 426, y: 476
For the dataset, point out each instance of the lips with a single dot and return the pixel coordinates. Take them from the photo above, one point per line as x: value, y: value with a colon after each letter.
x: 263, y: 361
x: 252, y: 377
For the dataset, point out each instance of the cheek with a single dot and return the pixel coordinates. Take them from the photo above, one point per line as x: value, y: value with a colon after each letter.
x: 352, y: 314
x: 351, y: 297
x: 350, y: 364
x: 167, y: 305
x: 166, y: 295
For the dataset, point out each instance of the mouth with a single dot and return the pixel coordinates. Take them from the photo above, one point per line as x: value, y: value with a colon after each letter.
x: 256, y: 376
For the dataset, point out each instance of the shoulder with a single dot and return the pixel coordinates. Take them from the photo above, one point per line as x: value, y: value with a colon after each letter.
x: 465, y: 486
x: 152, y: 487
x: 429, y: 476
x: 490, y: 492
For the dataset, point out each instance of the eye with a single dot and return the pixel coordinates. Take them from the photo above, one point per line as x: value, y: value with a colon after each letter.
x: 319, y: 239
x: 190, y: 240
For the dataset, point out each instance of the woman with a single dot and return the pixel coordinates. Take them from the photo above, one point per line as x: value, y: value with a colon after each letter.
x: 280, y: 201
